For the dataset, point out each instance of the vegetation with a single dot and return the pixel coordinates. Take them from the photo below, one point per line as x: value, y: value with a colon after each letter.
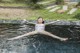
x: 59, y: 2
x: 54, y: 15
x: 78, y: 4
x: 20, y: 2
x: 30, y: 14
x: 0, y: 0
x: 16, y: 13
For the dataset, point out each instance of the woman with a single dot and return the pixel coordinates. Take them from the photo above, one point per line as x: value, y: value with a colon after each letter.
x: 40, y: 29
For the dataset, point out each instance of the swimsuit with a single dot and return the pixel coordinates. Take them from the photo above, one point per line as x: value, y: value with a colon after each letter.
x: 39, y: 27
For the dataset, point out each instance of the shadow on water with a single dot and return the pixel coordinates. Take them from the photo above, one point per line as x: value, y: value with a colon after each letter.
x: 39, y: 43
x: 77, y: 16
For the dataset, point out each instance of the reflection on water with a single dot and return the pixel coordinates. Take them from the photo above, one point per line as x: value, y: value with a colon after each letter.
x: 39, y: 43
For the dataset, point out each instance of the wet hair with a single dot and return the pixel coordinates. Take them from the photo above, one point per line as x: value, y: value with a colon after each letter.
x: 42, y: 19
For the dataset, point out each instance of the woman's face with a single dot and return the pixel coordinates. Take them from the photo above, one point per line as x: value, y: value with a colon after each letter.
x: 40, y: 20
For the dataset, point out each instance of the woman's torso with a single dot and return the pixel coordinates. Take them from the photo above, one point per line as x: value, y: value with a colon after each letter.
x: 40, y: 27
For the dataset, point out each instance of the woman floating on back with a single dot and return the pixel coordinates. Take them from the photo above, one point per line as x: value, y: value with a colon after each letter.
x: 40, y: 29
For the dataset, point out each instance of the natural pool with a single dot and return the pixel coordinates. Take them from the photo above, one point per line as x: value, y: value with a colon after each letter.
x: 39, y: 43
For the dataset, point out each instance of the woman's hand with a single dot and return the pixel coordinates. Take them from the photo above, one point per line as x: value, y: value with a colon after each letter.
x: 58, y: 20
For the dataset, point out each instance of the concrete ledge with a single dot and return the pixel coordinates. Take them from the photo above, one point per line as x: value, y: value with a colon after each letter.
x: 62, y: 22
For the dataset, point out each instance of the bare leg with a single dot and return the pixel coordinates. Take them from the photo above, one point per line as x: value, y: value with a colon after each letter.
x: 27, y: 34
x: 54, y: 36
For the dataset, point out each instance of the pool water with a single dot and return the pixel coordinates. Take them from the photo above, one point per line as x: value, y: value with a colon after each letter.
x: 39, y: 43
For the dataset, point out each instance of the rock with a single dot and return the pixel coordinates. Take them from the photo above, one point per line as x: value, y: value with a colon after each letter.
x: 61, y: 22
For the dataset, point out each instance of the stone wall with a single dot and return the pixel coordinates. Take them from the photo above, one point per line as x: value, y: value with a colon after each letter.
x: 62, y: 22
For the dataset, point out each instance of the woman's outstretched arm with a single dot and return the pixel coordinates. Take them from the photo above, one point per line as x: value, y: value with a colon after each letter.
x: 30, y: 22
x: 54, y: 36
x: 27, y: 34
x: 52, y: 22
x: 24, y: 21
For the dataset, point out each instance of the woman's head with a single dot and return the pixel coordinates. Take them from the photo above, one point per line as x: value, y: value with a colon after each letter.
x: 40, y: 20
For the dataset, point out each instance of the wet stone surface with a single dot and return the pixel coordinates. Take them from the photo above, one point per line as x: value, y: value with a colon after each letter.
x: 39, y: 43
x: 61, y: 22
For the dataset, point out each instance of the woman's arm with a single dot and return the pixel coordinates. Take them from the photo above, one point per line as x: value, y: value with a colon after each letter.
x: 30, y: 22
x: 24, y: 21
x: 52, y: 22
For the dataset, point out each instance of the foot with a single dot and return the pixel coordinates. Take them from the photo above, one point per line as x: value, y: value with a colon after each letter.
x: 10, y: 39
x: 64, y: 39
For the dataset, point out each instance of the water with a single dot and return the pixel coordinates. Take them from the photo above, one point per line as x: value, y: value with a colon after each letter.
x: 39, y: 43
